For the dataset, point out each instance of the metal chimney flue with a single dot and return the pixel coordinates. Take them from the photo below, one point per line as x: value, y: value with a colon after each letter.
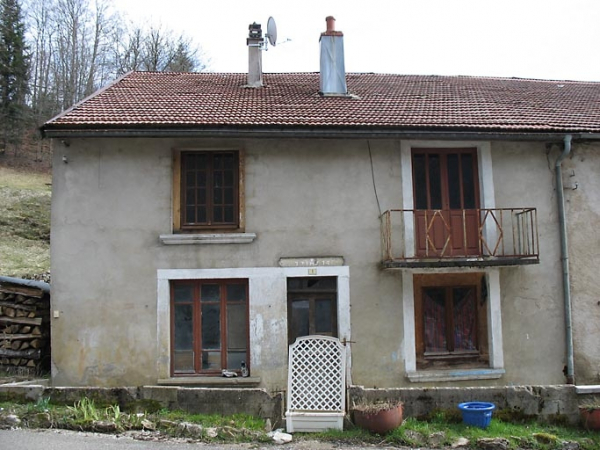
x: 333, y: 72
x: 254, y: 42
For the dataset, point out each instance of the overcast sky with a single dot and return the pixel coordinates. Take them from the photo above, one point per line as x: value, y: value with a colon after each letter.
x: 548, y: 39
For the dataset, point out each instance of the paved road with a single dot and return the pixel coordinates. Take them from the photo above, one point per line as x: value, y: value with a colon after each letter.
x: 69, y: 440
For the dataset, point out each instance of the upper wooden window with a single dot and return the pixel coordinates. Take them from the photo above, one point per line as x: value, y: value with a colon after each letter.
x: 207, y: 194
x: 451, y: 320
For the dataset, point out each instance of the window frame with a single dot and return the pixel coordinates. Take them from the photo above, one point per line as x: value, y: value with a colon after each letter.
x: 197, y: 346
x: 178, y: 196
x: 479, y: 358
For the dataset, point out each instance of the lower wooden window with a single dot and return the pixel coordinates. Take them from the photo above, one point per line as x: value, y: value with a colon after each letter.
x: 209, y: 326
x: 451, y: 320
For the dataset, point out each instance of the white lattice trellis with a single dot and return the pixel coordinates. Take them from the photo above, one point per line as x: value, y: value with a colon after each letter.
x: 316, y: 382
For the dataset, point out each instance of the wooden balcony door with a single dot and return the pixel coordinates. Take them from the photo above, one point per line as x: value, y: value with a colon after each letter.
x: 446, y: 202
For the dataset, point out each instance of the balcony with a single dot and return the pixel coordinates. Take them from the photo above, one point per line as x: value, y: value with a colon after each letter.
x: 459, y: 238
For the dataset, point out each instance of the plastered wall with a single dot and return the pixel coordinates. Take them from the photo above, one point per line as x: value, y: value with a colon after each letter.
x: 112, y: 201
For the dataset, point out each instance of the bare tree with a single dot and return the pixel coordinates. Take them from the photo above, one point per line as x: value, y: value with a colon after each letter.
x: 80, y: 45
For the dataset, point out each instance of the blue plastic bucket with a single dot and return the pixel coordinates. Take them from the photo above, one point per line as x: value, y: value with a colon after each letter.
x: 477, y: 414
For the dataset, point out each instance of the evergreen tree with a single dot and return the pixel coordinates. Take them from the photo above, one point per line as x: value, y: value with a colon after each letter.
x: 14, y: 68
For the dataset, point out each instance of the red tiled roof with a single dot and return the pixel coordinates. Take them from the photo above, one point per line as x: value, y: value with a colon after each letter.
x: 392, y: 102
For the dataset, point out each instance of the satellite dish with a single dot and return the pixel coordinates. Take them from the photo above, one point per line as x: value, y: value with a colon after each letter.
x: 271, y: 31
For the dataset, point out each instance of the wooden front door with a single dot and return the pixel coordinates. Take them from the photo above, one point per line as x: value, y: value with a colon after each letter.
x: 446, y: 202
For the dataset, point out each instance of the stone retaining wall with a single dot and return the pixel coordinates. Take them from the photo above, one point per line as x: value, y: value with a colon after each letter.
x: 544, y: 402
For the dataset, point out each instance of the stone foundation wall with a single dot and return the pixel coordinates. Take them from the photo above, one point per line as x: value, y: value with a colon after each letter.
x: 543, y: 402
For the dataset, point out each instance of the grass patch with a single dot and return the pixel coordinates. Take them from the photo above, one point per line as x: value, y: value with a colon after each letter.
x: 435, y: 432
x: 24, y: 223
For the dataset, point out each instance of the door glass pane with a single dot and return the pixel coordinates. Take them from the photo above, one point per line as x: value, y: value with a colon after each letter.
x: 468, y: 179
x: 236, y: 327
x: 236, y: 292
x: 420, y: 181
x: 211, y: 326
x: 324, y: 316
x: 300, y: 325
x: 454, y: 182
x: 314, y: 284
x: 434, y: 312
x: 435, y: 181
x: 465, y: 318
x: 210, y: 293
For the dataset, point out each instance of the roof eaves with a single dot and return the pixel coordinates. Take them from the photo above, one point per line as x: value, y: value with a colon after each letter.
x: 322, y: 132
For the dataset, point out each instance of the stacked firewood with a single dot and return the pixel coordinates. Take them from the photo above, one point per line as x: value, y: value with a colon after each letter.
x: 24, y: 327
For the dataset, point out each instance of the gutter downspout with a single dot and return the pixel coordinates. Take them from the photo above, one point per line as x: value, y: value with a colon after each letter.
x: 564, y: 252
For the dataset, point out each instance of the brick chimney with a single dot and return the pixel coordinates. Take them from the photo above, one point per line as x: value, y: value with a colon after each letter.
x: 333, y: 73
x: 254, y: 42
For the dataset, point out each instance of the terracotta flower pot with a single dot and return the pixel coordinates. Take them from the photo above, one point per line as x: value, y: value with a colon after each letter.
x: 377, y: 420
x: 590, y: 417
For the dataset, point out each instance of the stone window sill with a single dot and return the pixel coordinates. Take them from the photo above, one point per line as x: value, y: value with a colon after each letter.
x: 212, y: 238
x: 211, y: 381
x: 454, y: 375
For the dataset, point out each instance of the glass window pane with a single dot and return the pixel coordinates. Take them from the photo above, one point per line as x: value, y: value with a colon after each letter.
x: 190, y: 197
x: 454, y: 182
x: 468, y: 178
x: 201, y: 179
x: 210, y: 293
x: 211, y: 361
x: 237, y: 331
x: 218, y: 214
x: 183, y: 361
x: 300, y: 325
x: 211, y: 326
x: 218, y: 179
x: 190, y: 214
x: 184, y: 325
x: 183, y: 293
x: 420, y: 181
x: 434, y: 315
x: 218, y: 161
x: 228, y: 182
x: 201, y: 161
x: 324, y: 316
x: 435, y: 181
x: 228, y: 214
x: 465, y: 318
x: 218, y: 196
x: 228, y: 196
x: 190, y: 178
x: 228, y: 161
x: 234, y: 360
x: 201, y: 211
x: 201, y: 197
x: 236, y: 292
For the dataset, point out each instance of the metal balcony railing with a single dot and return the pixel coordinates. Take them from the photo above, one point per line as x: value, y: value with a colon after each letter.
x: 495, y: 236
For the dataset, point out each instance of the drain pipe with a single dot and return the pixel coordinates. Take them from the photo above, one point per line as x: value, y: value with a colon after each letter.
x: 564, y: 257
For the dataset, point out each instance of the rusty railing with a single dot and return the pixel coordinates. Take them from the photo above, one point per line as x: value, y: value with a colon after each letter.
x: 501, y: 233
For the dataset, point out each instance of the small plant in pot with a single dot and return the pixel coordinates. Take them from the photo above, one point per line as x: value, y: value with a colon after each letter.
x: 378, y: 417
x: 590, y: 416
